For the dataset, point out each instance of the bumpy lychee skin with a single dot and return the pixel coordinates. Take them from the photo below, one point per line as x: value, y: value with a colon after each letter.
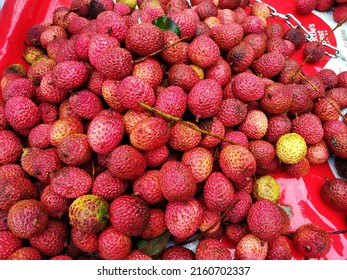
x: 52, y: 240
x: 138, y: 254
x: 22, y: 113
x: 313, y: 52
x: 129, y: 215
x: 74, y: 149
x: 218, y: 192
x: 176, y: 252
x: 133, y: 90
x: 312, y: 241
x: 203, y: 51
x: 70, y: 75
x: 85, y: 104
x: 232, y: 112
x: 185, y: 22
x: 40, y: 163
x: 250, y: 247
x: 235, y: 232
x: 248, y: 87
x: 148, y: 187
x: 237, y: 163
x: 175, y: 53
x: 291, y: 148
x: 64, y: 127
x: 172, y: 100
x: 85, y: 241
x: 98, y: 43
x: 212, y: 249
x: 39, y: 136
x: 104, y: 133
x: 27, y: 218
x: 89, y: 213
x: 25, y: 253
x: 56, y: 205
x: 309, y: 126
x: 144, y: 39
x: 240, y: 57
x: 9, y: 243
x: 11, y: 170
x: 156, y: 157
x: 182, y: 75
x: 183, y: 218
x: 71, y: 182
x: 264, y: 220
x: 334, y: 192
x: 255, y: 124
x: 156, y: 225
x: 227, y: 36
x: 269, y: 65
x: 177, y: 181
x: 277, y: 99
x: 126, y: 162
x: 215, y: 126
x: 205, y: 98
x: 10, y: 147
x: 19, y: 87
x: 108, y: 186
x: 113, y: 245
x: 184, y: 138
x: 149, y: 134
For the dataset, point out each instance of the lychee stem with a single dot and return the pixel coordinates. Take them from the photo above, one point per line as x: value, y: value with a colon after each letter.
x: 316, y: 89
x: 162, y: 49
x: 338, y: 231
x: 187, y: 124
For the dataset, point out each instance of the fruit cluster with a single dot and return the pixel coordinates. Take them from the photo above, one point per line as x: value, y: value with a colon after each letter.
x: 339, y: 11
x: 132, y: 128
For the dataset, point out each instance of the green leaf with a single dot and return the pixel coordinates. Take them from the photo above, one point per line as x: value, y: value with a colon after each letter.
x: 165, y: 23
x: 154, y: 246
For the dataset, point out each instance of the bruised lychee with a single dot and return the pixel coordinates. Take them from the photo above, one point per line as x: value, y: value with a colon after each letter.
x: 74, y: 149
x: 27, y: 218
x: 214, y: 126
x: 203, y: 51
x: 176, y: 181
x: 205, y: 98
x: 150, y: 133
x: 237, y: 163
x: 126, y: 162
x: 71, y: 182
x: 182, y: 75
x: 129, y: 215
x: 212, y: 249
x: 313, y: 52
x: 89, y: 213
x: 105, y: 132
x: 312, y: 241
x: 218, y: 192
x: 144, y: 39
x: 156, y: 224
x: 264, y: 220
x: 40, y: 163
x: 183, y: 218
x: 108, y: 186
x: 232, y: 112
x: 240, y: 57
x: 277, y: 99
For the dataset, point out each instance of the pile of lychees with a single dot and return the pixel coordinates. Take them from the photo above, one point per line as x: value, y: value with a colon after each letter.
x: 161, y: 125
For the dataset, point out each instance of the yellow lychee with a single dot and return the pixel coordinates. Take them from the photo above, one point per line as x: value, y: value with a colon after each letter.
x: 291, y: 148
x: 266, y: 187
